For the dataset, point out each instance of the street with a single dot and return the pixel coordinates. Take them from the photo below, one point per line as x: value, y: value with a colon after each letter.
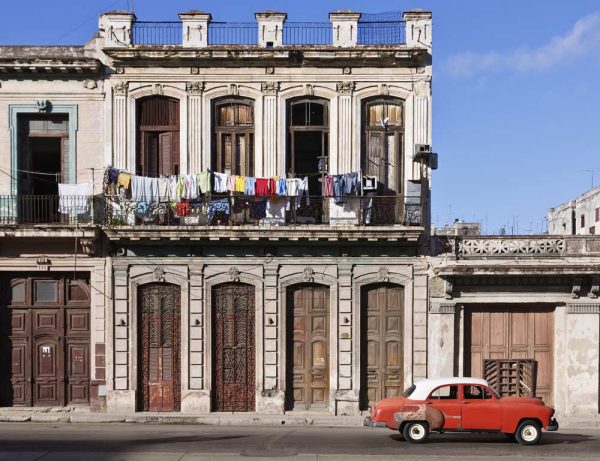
x: 144, y: 442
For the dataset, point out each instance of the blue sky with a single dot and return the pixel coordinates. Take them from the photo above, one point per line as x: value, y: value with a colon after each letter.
x: 516, y: 93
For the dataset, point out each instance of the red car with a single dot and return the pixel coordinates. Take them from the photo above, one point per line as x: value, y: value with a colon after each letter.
x: 461, y: 404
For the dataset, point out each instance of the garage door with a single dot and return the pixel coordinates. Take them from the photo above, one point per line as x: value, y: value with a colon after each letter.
x: 511, y: 333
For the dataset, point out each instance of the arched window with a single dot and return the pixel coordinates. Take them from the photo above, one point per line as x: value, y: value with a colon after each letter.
x: 233, y: 136
x: 383, y: 134
x: 158, y: 136
x: 308, y: 137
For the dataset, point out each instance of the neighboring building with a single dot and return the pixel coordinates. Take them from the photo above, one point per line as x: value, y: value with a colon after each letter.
x: 576, y: 217
x: 458, y: 229
x: 133, y: 304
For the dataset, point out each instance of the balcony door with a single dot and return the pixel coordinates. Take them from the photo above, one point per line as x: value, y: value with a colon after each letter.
x: 157, y: 136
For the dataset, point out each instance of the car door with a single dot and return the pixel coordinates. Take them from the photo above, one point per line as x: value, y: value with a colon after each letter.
x: 481, y: 409
x: 446, y: 399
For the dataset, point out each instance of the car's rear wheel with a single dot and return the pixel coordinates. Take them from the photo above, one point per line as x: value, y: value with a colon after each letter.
x: 529, y: 432
x: 416, y: 432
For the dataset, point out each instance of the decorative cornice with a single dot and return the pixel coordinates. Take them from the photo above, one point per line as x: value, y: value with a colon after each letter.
x: 269, y: 88
x: 345, y: 88
x: 510, y: 247
x: 580, y: 308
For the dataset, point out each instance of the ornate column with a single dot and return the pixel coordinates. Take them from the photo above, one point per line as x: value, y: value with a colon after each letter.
x: 119, y: 158
x: 422, y: 89
x: 269, y: 119
x: 344, y: 154
x: 195, y: 90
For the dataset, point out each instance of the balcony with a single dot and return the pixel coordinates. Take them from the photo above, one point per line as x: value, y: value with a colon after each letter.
x: 235, y: 216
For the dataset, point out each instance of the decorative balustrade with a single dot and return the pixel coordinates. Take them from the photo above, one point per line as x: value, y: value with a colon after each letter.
x: 502, y: 246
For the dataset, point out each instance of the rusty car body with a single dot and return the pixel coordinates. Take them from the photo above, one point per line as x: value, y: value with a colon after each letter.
x: 462, y: 405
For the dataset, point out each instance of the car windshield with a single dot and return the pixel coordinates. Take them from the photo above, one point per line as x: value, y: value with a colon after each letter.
x: 409, y: 391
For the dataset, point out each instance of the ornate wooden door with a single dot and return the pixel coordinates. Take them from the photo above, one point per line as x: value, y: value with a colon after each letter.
x: 308, y: 347
x: 160, y: 338
x: 233, y: 347
x: 382, y: 309
x: 511, y: 333
x: 44, y: 341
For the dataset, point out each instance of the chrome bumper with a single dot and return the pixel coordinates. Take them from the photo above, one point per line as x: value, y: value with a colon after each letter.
x: 369, y: 422
x: 553, y: 425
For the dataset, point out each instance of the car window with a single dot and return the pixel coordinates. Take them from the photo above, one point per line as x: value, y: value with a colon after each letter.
x: 445, y: 393
x: 476, y: 393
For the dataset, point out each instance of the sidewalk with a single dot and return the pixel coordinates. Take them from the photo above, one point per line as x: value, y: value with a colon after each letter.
x: 83, y: 415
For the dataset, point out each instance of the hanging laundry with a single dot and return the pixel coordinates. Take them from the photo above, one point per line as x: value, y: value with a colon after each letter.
x: 218, y: 206
x: 74, y: 199
x: 113, y: 175
x: 339, y: 188
x: 327, y: 186
x: 204, y: 182
x: 292, y: 186
x: 190, y: 186
x: 281, y: 187
x: 249, y: 185
x: 164, y: 189
x: 262, y: 186
x: 182, y: 208
x: 231, y: 183
x: 350, y: 183
x: 303, y: 191
x: 272, y: 186
x: 173, y: 188
x: 220, y: 182
x: 258, y: 209
x: 239, y: 183
x: 124, y: 180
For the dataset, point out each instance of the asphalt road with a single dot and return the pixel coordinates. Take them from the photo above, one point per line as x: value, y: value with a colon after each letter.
x: 143, y: 442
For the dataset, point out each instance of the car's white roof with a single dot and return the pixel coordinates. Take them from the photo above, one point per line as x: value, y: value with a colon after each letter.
x: 424, y: 387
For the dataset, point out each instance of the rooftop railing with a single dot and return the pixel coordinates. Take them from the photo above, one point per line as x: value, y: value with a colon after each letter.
x: 156, y: 33
x: 307, y: 33
x: 233, y: 33
x: 381, y: 33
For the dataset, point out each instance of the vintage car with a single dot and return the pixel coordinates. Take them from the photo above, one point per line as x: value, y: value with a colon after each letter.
x: 461, y: 404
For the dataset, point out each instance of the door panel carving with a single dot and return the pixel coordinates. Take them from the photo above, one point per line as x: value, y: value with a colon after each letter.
x: 233, y: 347
x: 160, y: 354
x: 382, y: 311
x: 307, y: 347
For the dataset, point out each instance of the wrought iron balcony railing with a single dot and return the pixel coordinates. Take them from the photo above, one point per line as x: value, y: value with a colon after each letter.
x: 156, y: 33
x: 46, y: 209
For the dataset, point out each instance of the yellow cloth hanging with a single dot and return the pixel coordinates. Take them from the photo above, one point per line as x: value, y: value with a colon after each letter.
x: 239, y: 183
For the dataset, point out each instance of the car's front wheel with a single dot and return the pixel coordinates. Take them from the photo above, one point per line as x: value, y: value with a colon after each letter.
x: 416, y: 432
x: 529, y: 432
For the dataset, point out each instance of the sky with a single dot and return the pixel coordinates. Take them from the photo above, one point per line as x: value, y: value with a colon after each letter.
x: 516, y: 99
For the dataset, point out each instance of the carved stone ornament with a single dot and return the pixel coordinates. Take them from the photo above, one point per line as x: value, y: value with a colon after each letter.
x: 270, y: 88
x: 346, y: 70
x: 43, y: 106
x: 234, y: 274
x: 595, y: 288
x: 448, y: 289
x: 159, y: 274
x: 383, y: 274
x: 309, y: 274
x: 88, y: 246
x: 269, y: 70
x: 194, y: 70
x: 90, y: 84
x: 422, y: 88
x: 234, y: 90
x: 120, y: 88
x: 120, y: 70
x: 384, y: 89
x: 157, y: 89
x: 345, y: 88
x: 194, y: 87
x: 309, y: 90
x: 501, y: 246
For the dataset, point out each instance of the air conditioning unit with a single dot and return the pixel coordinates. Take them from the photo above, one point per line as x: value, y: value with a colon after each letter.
x: 424, y: 154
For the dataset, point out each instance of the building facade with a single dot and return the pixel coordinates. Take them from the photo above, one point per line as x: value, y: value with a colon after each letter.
x: 580, y: 216
x: 216, y: 302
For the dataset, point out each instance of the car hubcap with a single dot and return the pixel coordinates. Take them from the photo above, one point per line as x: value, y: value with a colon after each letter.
x: 529, y: 433
x: 417, y: 432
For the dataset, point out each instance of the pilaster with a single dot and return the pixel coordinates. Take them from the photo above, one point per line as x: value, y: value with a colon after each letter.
x: 195, y: 92
x: 345, y: 123
x: 269, y: 154
x: 119, y: 90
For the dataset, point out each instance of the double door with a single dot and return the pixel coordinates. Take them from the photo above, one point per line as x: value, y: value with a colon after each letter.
x: 44, y: 346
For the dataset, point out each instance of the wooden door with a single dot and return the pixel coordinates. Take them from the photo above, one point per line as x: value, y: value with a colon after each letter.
x: 382, y: 312
x: 44, y: 343
x: 511, y: 333
x: 233, y: 347
x: 308, y: 347
x: 160, y: 337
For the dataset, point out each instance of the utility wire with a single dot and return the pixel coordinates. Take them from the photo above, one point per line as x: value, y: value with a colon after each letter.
x: 70, y: 31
